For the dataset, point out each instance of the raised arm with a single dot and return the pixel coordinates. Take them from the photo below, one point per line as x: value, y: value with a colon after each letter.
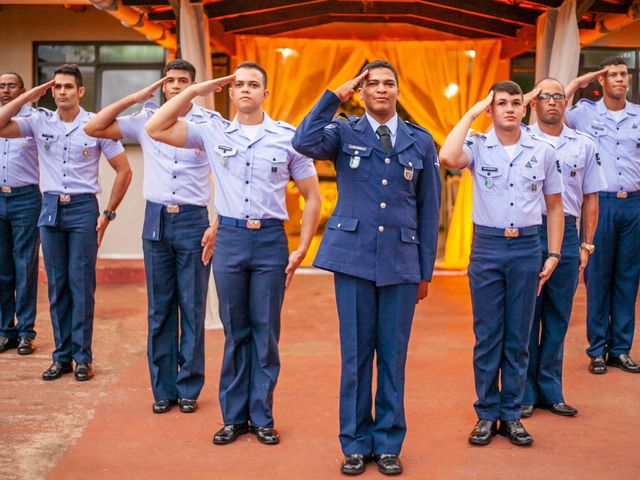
x: 8, y: 127
x: 164, y: 125
x: 451, y: 152
x: 104, y: 123
x: 315, y: 137
x: 582, y: 81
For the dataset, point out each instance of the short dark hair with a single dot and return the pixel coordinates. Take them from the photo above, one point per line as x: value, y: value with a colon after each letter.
x: 180, y: 64
x: 70, y: 69
x: 551, y: 79
x: 614, y: 60
x: 254, y: 66
x: 378, y: 64
x: 20, y: 80
x: 507, y: 86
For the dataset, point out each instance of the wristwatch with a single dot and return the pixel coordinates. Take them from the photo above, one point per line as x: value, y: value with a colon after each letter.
x: 554, y: 255
x: 110, y: 214
x: 589, y: 247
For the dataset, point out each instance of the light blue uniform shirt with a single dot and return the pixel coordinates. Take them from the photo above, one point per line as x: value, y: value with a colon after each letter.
x: 581, y: 170
x: 251, y: 175
x: 69, y: 159
x: 508, y: 193
x: 618, y: 142
x: 173, y: 176
x: 19, y: 159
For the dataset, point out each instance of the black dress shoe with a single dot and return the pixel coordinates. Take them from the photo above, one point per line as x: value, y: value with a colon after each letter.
x: 26, y: 346
x: 527, y: 410
x: 389, y: 464
x: 597, y: 365
x: 515, y: 432
x: 56, y: 370
x: 266, y: 435
x: 187, y: 405
x: 8, y: 343
x: 561, y: 408
x: 84, y: 372
x: 229, y: 433
x: 623, y: 362
x: 162, y: 406
x: 483, y: 432
x: 354, y: 464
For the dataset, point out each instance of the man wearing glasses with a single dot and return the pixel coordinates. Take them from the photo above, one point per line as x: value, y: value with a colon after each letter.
x: 614, y: 271
x: 19, y: 240
x: 583, y: 178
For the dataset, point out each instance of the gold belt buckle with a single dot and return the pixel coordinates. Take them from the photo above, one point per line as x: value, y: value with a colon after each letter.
x: 64, y: 198
x: 173, y: 208
x: 6, y: 189
x: 621, y: 194
x: 511, y: 232
x: 254, y: 224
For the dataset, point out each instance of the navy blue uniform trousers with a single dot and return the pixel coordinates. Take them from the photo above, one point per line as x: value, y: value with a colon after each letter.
x: 503, y: 279
x: 70, y: 249
x: 248, y: 267
x: 551, y: 320
x: 177, y: 283
x: 612, y: 276
x: 373, y: 319
x: 19, y: 244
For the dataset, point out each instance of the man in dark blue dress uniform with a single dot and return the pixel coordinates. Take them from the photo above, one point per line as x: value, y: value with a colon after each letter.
x: 381, y: 244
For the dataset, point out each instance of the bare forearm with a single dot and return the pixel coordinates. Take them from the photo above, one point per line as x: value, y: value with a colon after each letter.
x: 451, y: 150
x: 167, y: 115
x: 555, y: 227
x: 119, y: 188
x: 589, y: 217
x: 11, y: 109
x: 309, y: 223
x: 97, y: 126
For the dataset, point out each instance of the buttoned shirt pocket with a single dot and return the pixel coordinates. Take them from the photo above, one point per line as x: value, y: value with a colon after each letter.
x: 407, y: 255
x: 530, y: 180
x: 227, y: 157
x: 47, y: 140
x: 573, y: 166
x: 89, y: 148
x: 355, y: 162
x: 273, y: 164
x: 339, y: 242
x: 598, y: 131
x: 411, y: 166
x: 489, y: 179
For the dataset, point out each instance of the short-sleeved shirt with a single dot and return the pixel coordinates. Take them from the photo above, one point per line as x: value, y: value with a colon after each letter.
x: 581, y: 170
x: 173, y: 176
x: 251, y: 175
x: 508, y: 193
x: 69, y: 158
x: 19, y: 159
x: 618, y: 141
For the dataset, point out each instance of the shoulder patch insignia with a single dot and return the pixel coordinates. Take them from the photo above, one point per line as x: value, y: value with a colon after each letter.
x: 558, y: 166
x: 598, y: 161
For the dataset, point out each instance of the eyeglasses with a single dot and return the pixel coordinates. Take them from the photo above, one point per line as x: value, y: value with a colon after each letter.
x: 545, y: 97
x: 10, y: 86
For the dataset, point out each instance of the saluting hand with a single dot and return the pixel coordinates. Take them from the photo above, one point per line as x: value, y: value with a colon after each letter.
x: 208, y: 242
x: 527, y: 97
x: 480, y: 107
x: 146, y: 93
x: 549, y: 266
x: 101, y: 227
x: 211, y: 86
x: 346, y: 91
x: 583, y: 81
x: 36, y: 93
x: 295, y: 259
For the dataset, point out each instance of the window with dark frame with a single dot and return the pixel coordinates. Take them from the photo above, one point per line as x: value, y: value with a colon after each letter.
x: 110, y: 70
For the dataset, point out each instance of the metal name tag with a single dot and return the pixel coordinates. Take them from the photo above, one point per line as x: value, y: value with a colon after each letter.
x: 354, y: 162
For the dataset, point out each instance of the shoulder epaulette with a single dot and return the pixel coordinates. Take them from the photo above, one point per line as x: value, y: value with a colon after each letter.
x: 584, y: 134
x: 46, y: 111
x: 286, y: 125
x: 417, y: 127
x: 585, y: 102
x: 540, y: 139
x: 150, y: 105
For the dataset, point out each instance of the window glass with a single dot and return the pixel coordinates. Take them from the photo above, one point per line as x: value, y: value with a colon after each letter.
x: 591, y: 58
x: 66, y: 53
x: 131, y: 54
x: 118, y: 83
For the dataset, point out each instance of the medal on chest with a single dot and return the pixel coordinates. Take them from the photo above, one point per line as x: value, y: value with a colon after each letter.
x: 354, y: 161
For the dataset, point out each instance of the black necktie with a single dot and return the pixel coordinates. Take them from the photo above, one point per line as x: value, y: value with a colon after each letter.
x: 385, y: 138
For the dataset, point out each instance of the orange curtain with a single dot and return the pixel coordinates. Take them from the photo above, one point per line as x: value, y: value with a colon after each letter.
x: 300, y: 70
